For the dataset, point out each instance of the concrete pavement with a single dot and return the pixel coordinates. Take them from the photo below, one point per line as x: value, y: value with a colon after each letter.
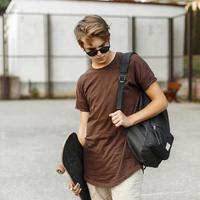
x: 31, y: 138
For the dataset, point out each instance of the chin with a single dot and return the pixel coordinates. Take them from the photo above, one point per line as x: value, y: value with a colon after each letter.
x: 101, y: 60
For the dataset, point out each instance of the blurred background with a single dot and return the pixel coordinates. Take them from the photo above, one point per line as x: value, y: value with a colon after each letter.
x: 40, y: 58
x: 40, y: 63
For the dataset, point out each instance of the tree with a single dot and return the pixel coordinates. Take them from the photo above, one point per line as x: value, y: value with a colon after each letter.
x: 3, y: 5
x: 196, y: 32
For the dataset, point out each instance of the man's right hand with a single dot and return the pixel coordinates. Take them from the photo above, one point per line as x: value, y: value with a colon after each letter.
x: 74, y: 188
x: 81, y: 139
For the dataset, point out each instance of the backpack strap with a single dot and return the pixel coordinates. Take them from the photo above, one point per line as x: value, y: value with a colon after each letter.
x: 124, y: 62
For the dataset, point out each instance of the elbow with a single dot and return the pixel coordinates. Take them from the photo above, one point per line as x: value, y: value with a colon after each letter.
x: 164, y: 103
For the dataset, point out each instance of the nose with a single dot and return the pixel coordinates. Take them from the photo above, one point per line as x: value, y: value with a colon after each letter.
x: 98, y: 53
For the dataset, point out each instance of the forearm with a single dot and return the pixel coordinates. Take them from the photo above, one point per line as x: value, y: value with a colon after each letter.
x: 83, y: 127
x: 152, y: 109
x: 81, y: 136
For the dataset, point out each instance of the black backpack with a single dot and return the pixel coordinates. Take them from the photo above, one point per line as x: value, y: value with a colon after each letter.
x: 150, y: 141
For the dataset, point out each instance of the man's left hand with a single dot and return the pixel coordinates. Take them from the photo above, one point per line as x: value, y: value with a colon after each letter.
x: 120, y: 119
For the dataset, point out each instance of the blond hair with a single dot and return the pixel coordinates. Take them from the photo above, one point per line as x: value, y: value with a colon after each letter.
x: 91, y: 26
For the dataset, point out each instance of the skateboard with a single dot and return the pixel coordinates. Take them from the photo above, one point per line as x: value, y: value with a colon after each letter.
x: 72, y: 162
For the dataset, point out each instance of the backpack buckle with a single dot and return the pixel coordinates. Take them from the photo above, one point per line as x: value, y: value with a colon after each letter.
x: 122, y: 78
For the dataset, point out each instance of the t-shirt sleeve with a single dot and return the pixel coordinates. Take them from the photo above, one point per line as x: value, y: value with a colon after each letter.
x: 142, y: 73
x: 81, y: 100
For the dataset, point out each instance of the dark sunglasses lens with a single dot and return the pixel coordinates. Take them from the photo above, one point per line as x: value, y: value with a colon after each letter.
x: 92, y: 53
x: 104, y: 49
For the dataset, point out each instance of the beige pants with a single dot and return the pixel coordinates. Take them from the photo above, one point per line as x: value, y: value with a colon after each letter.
x: 129, y: 189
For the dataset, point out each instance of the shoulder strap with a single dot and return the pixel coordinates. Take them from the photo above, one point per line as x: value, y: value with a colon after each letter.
x: 124, y: 62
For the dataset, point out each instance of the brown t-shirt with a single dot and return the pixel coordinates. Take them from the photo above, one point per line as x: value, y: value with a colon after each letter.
x: 107, y: 158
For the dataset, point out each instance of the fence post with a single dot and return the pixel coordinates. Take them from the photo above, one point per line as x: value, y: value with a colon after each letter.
x: 5, y: 78
x: 171, y: 50
x: 189, y: 47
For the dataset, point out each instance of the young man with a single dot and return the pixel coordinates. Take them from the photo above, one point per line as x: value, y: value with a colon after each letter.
x: 110, y: 169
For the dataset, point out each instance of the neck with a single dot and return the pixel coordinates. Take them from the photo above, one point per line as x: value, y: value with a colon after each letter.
x: 107, y: 61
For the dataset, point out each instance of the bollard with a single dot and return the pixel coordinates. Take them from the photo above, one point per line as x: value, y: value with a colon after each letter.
x: 5, y: 87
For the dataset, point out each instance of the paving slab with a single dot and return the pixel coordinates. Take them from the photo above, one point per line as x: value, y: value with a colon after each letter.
x: 32, y: 133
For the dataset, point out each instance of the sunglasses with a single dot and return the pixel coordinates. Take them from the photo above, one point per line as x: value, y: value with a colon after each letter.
x: 94, y: 52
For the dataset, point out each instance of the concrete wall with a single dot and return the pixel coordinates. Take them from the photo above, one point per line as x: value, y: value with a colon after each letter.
x: 27, y: 44
x: 152, y: 44
x: 28, y: 41
x: 179, y: 31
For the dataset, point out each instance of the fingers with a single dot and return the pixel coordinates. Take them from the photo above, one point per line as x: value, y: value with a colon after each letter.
x: 77, y: 189
x: 70, y: 185
x: 115, y: 113
x: 117, y: 121
x: 74, y: 188
x: 117, y: 118
x: 120, y: 119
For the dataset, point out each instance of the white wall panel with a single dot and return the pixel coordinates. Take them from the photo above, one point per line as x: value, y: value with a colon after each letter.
x: 68, y: 69
x: 152, y: 36
x: 159, y: 67
x: 1, y: 45
x: 179, y: 30
x: 119, y: 33
x: 178, y: 67
x: 62, y: 35
x: 29, y: 36
x: 152, y: 42
x: 29, y: 69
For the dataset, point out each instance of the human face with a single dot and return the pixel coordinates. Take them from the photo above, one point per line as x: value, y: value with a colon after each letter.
x: 97, y: 50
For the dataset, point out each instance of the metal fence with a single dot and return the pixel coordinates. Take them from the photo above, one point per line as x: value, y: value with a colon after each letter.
x: 40, y: 52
